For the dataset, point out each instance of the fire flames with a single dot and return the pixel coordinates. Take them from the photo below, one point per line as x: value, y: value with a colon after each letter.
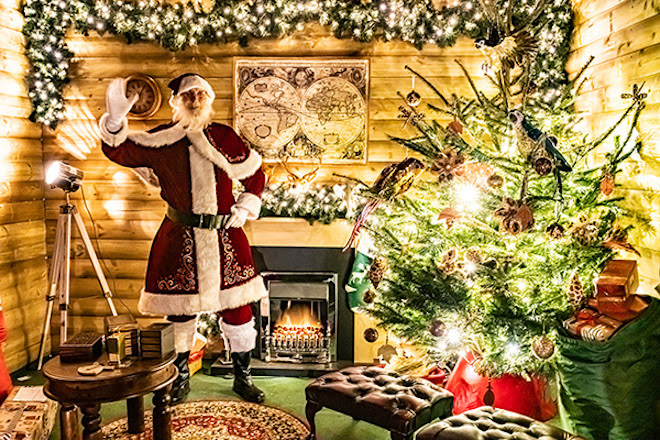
x: 298, y: 328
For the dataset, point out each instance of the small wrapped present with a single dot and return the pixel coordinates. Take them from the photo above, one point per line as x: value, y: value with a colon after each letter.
x: 598, y: 332
x: 589, y: 325
x: 27, y: 414
x: 196, y: 354
x: 619, y: 278
x: 620, y: 308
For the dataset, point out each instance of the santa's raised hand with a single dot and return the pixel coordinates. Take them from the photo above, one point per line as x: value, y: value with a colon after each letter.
x: 117, y: 104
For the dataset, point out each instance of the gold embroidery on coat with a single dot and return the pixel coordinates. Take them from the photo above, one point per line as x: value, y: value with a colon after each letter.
x: 233, y: 274
x: 184, y: 278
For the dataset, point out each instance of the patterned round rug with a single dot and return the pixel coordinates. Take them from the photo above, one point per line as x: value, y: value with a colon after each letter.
x: 219, y: 420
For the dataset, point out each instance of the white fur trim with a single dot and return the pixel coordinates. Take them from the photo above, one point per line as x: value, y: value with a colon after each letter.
x: 246, y: 293
x: 195, y: 82
x: 248, y: 167
x: 158, y: 139
x: 207, y: 245
x: 202, y: 184
x: 159, y: 304
x: 112, y: 139
x: 250, y: 203
x: 184, y: 335
x: 239, y: 171
x: 242, y: 337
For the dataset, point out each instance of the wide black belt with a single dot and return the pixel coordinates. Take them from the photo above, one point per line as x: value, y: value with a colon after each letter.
x: 204, y: 221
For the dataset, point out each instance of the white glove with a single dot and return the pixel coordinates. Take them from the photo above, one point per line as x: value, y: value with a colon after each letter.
x: 117, y: 104
x: 238, y: 217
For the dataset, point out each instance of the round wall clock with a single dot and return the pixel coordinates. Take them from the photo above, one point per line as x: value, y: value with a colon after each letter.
x: 150, y: 96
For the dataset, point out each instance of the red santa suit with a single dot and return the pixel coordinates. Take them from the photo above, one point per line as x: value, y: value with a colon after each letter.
x: 193, y: 269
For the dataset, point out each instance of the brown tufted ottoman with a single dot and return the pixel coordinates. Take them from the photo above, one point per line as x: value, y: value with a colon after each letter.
x: 487, y: 423
x: 397, y: 403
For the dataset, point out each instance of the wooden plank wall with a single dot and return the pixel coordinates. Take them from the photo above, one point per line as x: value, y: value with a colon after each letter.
x: 23, y: 267
x: 126, y: 213
x: 624, y: 36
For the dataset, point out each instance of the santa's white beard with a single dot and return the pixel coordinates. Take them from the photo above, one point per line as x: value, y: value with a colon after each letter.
x: 191, y: 120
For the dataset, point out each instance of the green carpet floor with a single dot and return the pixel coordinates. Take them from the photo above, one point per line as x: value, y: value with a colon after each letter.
x: 286, y: 393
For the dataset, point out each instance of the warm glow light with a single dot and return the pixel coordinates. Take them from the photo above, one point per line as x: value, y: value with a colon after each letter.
x: 115, y: 208
x: 466, y: 197
x: 121, y: 178
x: 63, y: 176
x: 512, y: 349
x: 298, y: 316
x: 52, y: 172
x: 453, y: 337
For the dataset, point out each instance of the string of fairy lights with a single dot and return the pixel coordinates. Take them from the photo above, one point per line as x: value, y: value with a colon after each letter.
x: 177, y: 26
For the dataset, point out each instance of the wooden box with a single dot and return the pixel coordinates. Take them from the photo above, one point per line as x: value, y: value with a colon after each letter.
x: 618, y: 279
x: 82, y: 347
x: 157, y: 340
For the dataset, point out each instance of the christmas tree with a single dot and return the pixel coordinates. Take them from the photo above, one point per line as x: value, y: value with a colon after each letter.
x: 501, y: 239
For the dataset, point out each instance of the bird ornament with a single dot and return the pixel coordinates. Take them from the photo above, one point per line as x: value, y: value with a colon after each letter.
x: 393, y: 181
x: 537, y: 147
x: 505, y: 51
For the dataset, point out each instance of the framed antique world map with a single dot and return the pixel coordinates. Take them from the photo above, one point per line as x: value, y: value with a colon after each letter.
x: 303, y: 110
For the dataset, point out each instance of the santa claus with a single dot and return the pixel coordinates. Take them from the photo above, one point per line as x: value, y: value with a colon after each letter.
x: 200, y: 260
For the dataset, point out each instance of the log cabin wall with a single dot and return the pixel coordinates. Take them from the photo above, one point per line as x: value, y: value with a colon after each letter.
x: 624, y: 38
x: 23, y: 267
x: 127, y: 214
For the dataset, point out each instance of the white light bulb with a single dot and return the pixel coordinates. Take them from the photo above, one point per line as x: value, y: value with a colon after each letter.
x: 466, y: 197
x: 453, y: 337
x: 512, y: 349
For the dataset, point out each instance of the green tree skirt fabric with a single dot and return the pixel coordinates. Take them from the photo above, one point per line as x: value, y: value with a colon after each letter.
x: 611, y: 390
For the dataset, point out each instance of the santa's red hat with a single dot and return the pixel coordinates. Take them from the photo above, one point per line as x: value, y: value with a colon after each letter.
x: 189, y: 81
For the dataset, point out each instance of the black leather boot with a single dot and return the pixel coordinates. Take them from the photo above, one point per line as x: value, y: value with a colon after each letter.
x: 181, y: 385
x: 243, y: 385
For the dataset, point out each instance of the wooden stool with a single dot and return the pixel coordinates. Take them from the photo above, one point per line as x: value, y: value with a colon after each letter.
x: 65, y: 385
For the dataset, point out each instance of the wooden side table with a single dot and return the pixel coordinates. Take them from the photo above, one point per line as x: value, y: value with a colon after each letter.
x: 65, y: 385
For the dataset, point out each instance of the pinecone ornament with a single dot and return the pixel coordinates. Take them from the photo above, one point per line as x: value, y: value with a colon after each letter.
x: 575, y: 291
x: 376, y: 272
x: 447, y: 164
x: 607, y: 184
x: 585, y: 232
x: 515, y: 216
x: 543, y: 347
x: 474, y: 256
x: 447, y: 264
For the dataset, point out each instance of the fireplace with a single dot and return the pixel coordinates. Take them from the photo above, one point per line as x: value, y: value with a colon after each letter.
x: 299, y: 321
x: 286, y: 271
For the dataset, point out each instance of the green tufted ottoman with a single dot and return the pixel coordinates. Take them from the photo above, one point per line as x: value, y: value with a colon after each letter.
x: 397, y: 403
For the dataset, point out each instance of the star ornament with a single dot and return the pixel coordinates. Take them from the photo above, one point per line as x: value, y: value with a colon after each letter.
x: 636, y: 95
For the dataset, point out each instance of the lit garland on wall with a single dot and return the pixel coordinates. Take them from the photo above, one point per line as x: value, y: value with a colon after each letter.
x: 315, y: 203
x: 176, y: 27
